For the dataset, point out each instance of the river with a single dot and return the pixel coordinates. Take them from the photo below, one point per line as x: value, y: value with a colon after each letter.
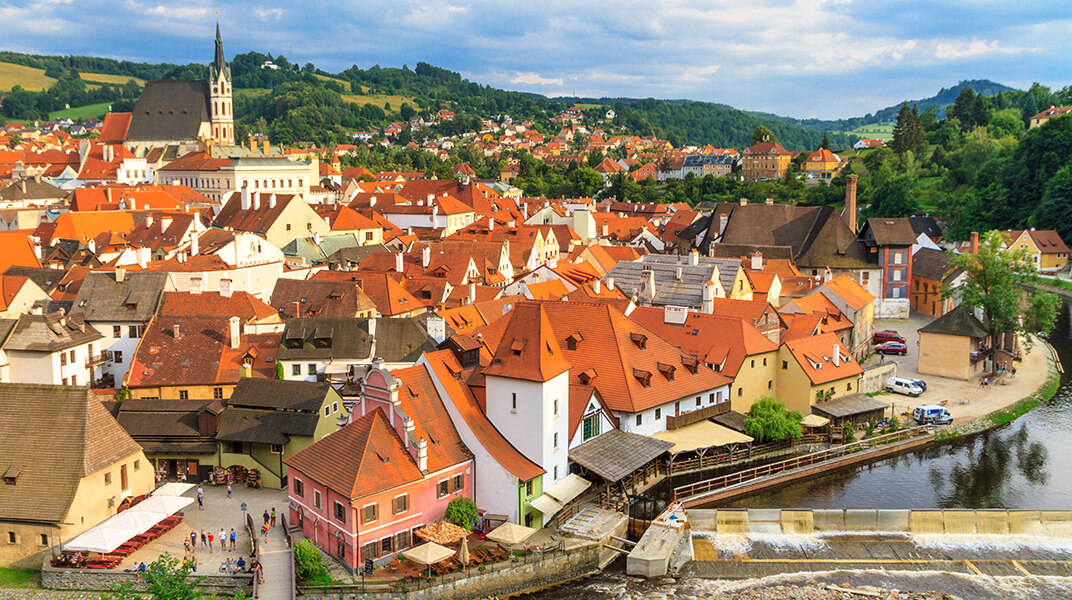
x: 1023, y: 464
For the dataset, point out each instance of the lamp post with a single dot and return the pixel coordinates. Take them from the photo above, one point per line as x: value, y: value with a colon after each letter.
x: 59, y: 547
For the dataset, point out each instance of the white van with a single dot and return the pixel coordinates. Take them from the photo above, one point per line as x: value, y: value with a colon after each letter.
x: 903, y: 386
x: 930, y: 413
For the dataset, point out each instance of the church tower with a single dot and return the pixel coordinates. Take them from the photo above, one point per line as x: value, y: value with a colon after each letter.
x: 220, y: 102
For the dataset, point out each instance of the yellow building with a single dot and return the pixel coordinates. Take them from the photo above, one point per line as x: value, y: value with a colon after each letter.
x: 954, y: 346
x: 765, y: 161
x: 822, y: 164
x: 67, y: 466
x: 814, y: 369
x: 1048, y: 251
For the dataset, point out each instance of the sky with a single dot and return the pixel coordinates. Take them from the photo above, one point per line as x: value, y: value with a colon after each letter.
x: 802, y: 58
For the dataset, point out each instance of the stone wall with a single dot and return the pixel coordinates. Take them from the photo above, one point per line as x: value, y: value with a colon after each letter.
x: 874, y: 378
x: 104, y: 579
x: 892, y: 308
x: 517, y: 579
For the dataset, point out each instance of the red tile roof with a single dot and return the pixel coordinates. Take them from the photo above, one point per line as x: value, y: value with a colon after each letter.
x: 527, y: 348
x: 386, y: 293
x: 422, y: 403
x: 716, y: 339
x: 214, y: 305
x: 815, y: 355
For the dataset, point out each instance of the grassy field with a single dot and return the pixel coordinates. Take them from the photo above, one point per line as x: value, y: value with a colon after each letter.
x: 379, y: 100
x: 113, y: 79
x: 252, y: 92
x: 19, y: 578
x: 81, y: 112
x: 874, y: 132
x: 28, y: 77
x: 345, y: 84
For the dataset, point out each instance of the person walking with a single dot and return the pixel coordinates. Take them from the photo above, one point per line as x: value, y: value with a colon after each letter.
x: 223, y: 539
x: 228, y: 490
x: 267, y: 517
x: 204, y: 539
x: 232, y: 539
x: 193, y: 540
x: 200, y: 501
x: 273, y: 516
x: 264, y: 530
x: 193, y: 564
x: 210, y: 542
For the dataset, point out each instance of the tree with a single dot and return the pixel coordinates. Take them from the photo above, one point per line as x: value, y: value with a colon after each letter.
x: 908, y: 131
x: 997, y: 282
x: 826, y: 142
x: 769, y: 420
x: 1055, y: 210
x: 891, y: 195
x: 309, y: 564
x: 461, y: 511
x: 586, y: 181
x: 762, y: 134
x: 165, y: 579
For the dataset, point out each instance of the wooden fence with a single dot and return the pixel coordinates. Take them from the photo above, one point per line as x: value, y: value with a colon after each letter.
x: 684, y: 419
x: 686, y: 491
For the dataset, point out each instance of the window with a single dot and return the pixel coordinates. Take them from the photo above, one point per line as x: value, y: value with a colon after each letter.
x: 117, y: 331
x: 897, y: 274
x: 137, y: 465
x: 295, y: 369
x: 770, y: 384
x: 184, y: 395
x: 458, y: 483
x: 710, y: 398
x: 740, y: 392
x: 44, y: 539
x: 896, y: 292
x: 74, y: 379
x: 123, y: 480
x: 639, y: 419
x: 73, y: 357
x: 591, y: 427
x: 298, y: 487
x: 236, y: 448
x: 132, y: 331
x: 764, y: 362
x: 556, y: 407
x: 698, y: 402
x: 718, y: 396
x: 554, y: 440
x: 785, y: 365
x: 385, y: 545
x: 11, y: 537
x: 217, y: 393
x: 556, y: 472
x: 327, y: 410
x: 658, y: 415
x: 63, y: 359
x: 400, y: 504
x: 368, y: 551
x: 528, y: 488
x: 340, y: 547
x: 108, y: 478
x: 288, y: 226
x: 311, y: 368
x: 277, y: 448
x: 442, y: 489
x: 753, y: 365
x: 316, y: 499
x: 402, y: 540
x: 340, y: 512
x: 849, y: 386
x: 866, y: 276
x: 117, y: 357
x: 513, y: 401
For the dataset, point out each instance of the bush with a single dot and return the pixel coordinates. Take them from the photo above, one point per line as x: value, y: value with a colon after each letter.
x: 869, y: 430
x: 893, y: 426
x: 850, y: 433
x: 768, y: 420
x: 309, y: 564
x: 462, y: 512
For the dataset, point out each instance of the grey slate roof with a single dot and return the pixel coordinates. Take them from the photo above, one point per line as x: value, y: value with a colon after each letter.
x: 31, y: 189
x: 883, y: 231
x: 959, y: 321
x: 316, y: 253
x: 845, y: 406
x: 397, y: 340
x: 686, y: 291
x: 50, y: 333
x: 925, y: 224
x: 932, y: 264
x: 46, y: 279
x: 136, y: 298
x: 732, y: 419
x: 616, y: 454
x: 264, y: 426
x: 56, y: 436
x: 170, y: 110
x: 315, y: 298
x: 279, y: 394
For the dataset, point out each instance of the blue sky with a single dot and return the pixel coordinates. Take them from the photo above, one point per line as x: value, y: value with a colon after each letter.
x: 804, y: 58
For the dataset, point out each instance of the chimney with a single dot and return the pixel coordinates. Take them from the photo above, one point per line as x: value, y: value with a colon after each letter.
x: 120, y: 274
x: 422, y: 455
x: 974, y: 242
x: 426, y: 256
x: 256, y: 200
x: 142, y: 255
x: 769, y: 202
x: 195, y: 245
x: 491, y: 224
x: 850, y: 201
x: 399, y: 263
x: 510, y: 224
x: 606, y: 230
x: 232, y: 332
x: 148, y: 221
x: 225, y: 288
x: 437, y: 329
x: 744, y: 201
x: 610, y: 283
x: 598, y: 287
x: 757, y: 261
x: 245, y: 196
x: 267, y: 147
x: 271, y: 201
x: 431, y: 199
x: 649, y: 276
x: 694, y: 258
x: 176, y: 331
x: 472, y: 293
x: 435, y: 213
x: 723, y: 219
x: 837, y: 355
x: 709, y: 297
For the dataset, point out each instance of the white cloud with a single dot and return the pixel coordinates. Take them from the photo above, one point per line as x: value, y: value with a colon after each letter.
x: 173, y: 12
x: 531, y: 78
x: 976, y: 47
x: 269, y: 13
x: 698, y: 75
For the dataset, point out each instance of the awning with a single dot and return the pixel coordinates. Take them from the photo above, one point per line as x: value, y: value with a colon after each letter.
x: 168, y: 505
x: 546, y: 504
x: 511, y: 533
x: 569, y: 488
x: 428, y: 554
x: 101, y: 539
x: 616, y: 454
x: 815, y: 421
x: 847, y: 406
x: 703, y: 434
x: 114, y: 532
x: 173, y: 489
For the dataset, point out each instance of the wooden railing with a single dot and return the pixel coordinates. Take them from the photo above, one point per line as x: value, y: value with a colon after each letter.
x: 254, y: 552
x: 722, y: 457
x: 690, y: 490
x: 684, y: 419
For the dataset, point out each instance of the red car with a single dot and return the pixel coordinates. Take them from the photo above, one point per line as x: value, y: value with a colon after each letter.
x: 888, y: 335
x: 892, y: 348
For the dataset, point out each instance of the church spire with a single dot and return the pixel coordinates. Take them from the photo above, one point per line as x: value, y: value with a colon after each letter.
x: 219, y: 64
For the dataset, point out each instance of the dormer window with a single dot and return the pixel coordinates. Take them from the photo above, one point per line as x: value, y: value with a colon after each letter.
x: 639, y: 339
x: 691, y: 364
x: 667, y: 370
x: 586, y: 377
x: 517, y: 346
x: 11, y: 476
x: 644, y: 377
x: 573, y: 341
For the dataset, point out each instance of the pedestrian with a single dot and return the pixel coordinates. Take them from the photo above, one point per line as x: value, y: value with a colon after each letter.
x: 228, y: 490
x: 266, y: 516
x: 232, y: 539
x: 264, y: 530
x: 193, y: 564
x: 273, y: 516
x: 210, y: 536
x: 200, y: 502
x: 223, y: 539
x: 204, y: 539
x: 193, y: 540
x: 186, y: 544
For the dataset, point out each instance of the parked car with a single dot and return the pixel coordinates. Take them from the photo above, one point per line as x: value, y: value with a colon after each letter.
x: 930, y: 413
x: 900, y: 385
x: 920, y: 383
x: 892, y: 348
x: 887, y: 335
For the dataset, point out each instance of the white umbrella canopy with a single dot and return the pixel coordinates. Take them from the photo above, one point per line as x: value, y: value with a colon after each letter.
x: 511, y: 533
x: 101, y: 539
x: 141, y: 521
x: 167, y: 505
x: 173, y: 489
x: 428, y: 554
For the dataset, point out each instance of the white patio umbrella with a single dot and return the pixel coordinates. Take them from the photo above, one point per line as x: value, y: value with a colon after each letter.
x: 101, y: 539
x: 428, y: 554
x: 167, y: 505
x: 511, y: 533
x: 173, y: 489
x: 139, y: 520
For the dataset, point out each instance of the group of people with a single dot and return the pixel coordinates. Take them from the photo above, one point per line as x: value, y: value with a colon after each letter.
x: 269, y: 517
x: 209, y: 540
x: 239, y: 565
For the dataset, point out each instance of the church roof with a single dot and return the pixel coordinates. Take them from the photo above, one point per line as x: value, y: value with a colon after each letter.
x: 170, y: 110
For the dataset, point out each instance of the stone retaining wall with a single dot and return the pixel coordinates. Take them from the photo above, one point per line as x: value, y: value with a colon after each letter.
x: 874, y: 378
x: 517, y: 579
x: 103, y: 579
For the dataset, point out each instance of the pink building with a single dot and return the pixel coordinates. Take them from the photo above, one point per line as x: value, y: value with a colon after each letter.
x: 360, y: 492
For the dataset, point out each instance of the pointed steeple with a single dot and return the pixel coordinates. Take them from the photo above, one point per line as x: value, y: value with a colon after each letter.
x: 219, y: 65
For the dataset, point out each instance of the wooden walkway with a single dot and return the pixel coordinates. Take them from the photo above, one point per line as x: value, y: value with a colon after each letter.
x: 278, y: 567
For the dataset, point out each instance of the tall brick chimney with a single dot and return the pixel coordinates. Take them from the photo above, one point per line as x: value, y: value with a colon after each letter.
x: 850, y: 202
x: 974, y: 242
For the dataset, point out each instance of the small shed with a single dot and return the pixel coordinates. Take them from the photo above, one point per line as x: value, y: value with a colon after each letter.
x: 955, y: 345
x: 732, y: 419
x: 852, y: 409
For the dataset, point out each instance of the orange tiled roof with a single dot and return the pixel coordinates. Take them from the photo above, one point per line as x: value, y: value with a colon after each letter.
x: 851, y: 292
x: 422, y: 403
x: 716, y: 339
x: 815, y: 355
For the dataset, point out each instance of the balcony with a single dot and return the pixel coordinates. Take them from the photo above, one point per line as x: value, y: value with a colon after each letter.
x: 98, y: 359
x: 981, y: 354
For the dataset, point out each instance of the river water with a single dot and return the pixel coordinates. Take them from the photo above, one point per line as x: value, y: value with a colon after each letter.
x: 1025, y: 464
